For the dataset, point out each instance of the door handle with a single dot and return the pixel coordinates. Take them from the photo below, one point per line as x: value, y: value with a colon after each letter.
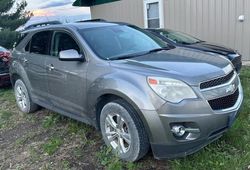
x: 25, y: 60
x: 51, y: 67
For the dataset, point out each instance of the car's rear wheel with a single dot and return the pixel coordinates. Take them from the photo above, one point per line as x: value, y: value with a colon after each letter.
x: 123, y: 130
x: 23, y: 99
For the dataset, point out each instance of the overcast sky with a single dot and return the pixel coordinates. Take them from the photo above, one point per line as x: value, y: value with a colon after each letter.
x: 62, y: 10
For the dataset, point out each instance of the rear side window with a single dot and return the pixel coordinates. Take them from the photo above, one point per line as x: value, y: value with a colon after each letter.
x: 40, y: 43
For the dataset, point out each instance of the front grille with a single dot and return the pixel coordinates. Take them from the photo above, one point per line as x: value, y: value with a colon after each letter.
x: 237, y: 63
x: 224, y: 102
x: 216, y: 82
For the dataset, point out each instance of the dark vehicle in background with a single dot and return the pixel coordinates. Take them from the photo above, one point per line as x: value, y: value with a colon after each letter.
x: 184, y: 40
x: 4, y: 67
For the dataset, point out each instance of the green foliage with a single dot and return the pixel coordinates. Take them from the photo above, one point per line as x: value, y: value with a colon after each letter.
x: 12, y: 16
x: 12, y: 19
x: 52, y: 145
x: 8, y: 38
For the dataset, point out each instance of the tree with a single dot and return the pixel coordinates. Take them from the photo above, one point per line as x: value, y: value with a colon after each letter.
x: 13, y: 14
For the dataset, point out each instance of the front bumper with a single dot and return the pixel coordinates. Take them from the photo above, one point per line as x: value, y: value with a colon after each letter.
x: 4, y: 79
x: 191, y: 114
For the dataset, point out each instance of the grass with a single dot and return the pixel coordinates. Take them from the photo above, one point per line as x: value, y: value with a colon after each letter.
x: 51, y: 120
x: 52, y: 145
x: 7, y: 95
x: 112, y: 162
x: 5, y: 118
x: 57, y: 142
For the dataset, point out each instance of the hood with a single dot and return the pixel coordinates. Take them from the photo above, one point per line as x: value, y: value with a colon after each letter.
x: 209, y: 47
x: 180, y: 63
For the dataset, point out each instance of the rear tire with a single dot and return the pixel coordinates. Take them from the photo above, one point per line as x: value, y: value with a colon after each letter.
x: 23, y: 98
x: 123, y: 130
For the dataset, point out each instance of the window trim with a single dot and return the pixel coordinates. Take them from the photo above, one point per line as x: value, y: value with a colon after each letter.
x: 161, y: 12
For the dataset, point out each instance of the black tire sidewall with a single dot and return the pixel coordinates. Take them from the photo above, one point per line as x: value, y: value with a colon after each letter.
x: 134, y: 151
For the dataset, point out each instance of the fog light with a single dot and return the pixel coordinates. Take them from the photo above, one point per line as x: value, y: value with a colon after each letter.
x: 178, y: 130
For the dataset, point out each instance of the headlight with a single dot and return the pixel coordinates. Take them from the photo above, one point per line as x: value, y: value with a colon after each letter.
x: 171, y: 90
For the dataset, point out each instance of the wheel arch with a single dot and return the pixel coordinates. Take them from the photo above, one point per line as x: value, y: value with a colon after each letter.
x: 18, y: 72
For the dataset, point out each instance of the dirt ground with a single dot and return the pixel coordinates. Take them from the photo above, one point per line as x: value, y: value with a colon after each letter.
x: 46, y: 140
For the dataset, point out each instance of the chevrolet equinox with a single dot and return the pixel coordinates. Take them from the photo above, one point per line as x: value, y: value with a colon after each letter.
x: 139, y: 91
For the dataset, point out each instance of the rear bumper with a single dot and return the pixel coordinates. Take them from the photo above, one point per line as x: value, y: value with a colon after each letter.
x: 4, y: 79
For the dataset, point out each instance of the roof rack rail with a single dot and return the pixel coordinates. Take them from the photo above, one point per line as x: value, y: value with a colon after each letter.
x: 93, y: 20
x: 42, y: 24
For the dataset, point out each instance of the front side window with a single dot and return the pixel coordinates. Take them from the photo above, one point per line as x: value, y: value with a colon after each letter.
x: 63, y: 41
x: 40, y: 43
x: 120, y: 40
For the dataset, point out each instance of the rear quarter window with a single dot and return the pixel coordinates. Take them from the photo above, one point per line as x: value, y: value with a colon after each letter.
x: 20, y: 38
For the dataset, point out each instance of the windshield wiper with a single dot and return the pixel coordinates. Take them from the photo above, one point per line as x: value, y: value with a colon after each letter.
x: 128, y: 56
x: 159, y: 49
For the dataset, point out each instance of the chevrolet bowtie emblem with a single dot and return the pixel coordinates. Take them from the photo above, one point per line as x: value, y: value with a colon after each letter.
x: 230, y: 88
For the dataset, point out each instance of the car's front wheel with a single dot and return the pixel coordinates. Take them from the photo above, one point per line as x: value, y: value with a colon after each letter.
x: 23, y: 99
x: 123, y: 130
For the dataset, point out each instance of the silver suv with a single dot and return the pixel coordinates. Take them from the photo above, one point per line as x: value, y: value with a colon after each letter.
x: 138, y: 90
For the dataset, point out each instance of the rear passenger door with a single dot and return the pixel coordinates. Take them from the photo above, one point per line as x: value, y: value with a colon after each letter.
x: 66, y: 79
x: 33, y: 60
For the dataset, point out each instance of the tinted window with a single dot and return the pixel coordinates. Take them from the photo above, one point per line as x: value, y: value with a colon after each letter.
x: 62, y: 42
x: 112, y: 41
x: 40, y: 43
x: 179, y: 37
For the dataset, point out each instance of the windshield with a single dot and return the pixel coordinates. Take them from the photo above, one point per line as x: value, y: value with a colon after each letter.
x: 178, y: 37
x: 120, y: 40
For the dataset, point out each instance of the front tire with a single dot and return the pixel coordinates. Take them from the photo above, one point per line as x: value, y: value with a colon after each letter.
x: 23, y: 99
x: 123, y: 130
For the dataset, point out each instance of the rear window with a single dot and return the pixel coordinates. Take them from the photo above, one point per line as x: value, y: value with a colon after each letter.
x: 40, y: 43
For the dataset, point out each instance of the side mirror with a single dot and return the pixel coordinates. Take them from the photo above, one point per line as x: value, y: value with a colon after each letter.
x: 70, y: 55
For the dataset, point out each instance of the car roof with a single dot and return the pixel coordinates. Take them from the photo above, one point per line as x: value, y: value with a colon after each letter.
x: 159, y: 29
x: 77, y: 25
